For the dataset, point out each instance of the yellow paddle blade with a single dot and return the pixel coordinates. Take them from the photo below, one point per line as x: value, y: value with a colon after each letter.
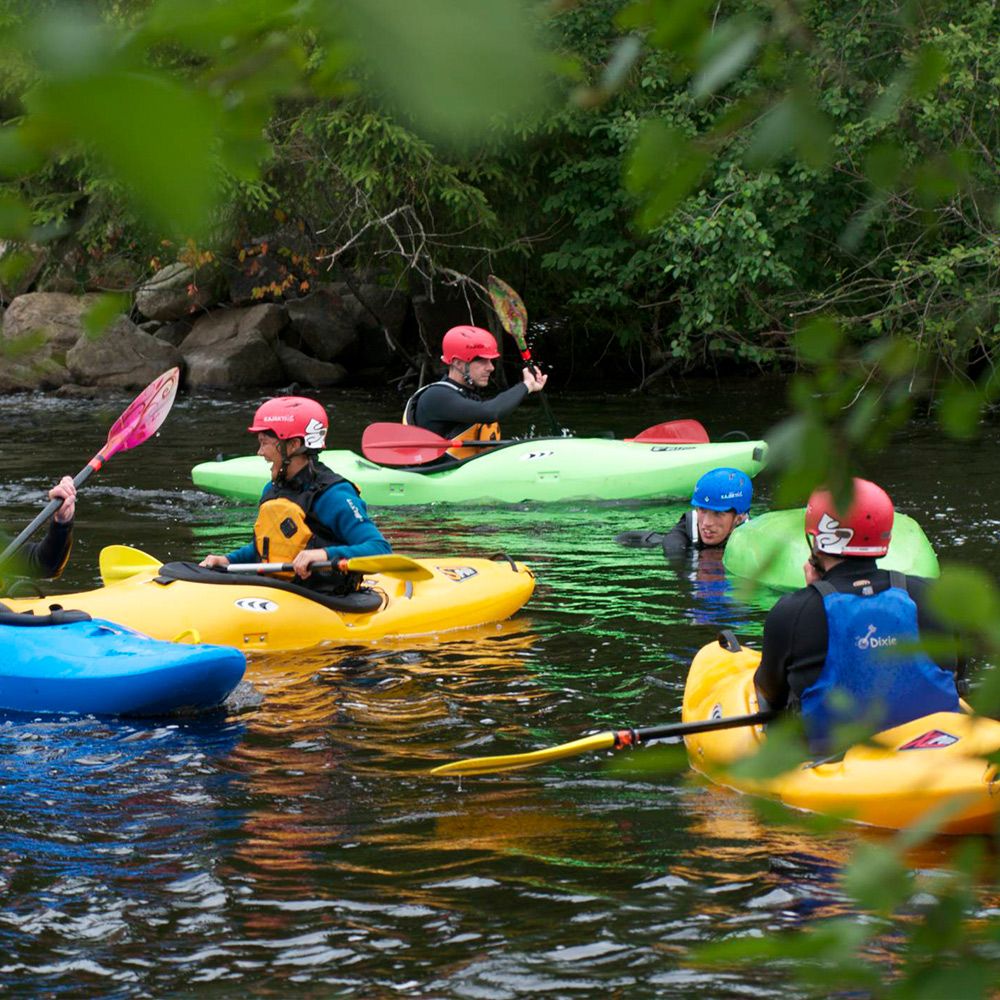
x: 119, y: 562
x: 390, y: 565
x: 516, y: 761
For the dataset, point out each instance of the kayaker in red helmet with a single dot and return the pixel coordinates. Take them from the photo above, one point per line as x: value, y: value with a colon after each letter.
x: 839, y: 650
x: 47, y: 558
x: 307, y: 512
x: 453, y: 407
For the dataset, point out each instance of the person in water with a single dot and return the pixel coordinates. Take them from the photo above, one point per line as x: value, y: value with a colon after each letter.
x: 48, y: 558
x: 720, y: 500
x: 307, y: 512
x: 452, y: 407
x: 843, y: 648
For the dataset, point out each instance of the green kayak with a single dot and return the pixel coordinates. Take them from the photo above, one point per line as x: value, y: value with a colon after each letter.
x: 545, y: 469
x: 772, y: 549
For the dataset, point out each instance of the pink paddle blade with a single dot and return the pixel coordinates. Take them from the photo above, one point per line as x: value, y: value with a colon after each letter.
x: 401, y: 444
x: 144, y: 415
x: 673, y: 432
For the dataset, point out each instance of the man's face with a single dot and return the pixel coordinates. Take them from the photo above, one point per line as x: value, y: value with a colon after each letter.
x: 714, y: 526
x: 480, y: 370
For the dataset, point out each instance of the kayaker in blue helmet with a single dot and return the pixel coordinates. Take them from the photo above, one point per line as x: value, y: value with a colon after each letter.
x: 720, y: 500
x: 840, y: 650
x: 47, y: 558
x: 308, y: 513
x: 452, y: 407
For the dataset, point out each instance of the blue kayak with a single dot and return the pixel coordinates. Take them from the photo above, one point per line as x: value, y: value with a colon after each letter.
x: 70, y: 662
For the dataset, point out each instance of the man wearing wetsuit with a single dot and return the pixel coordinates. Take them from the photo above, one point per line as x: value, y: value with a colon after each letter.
x: 837, y: 649
x: 307, y: 512
x: 453, y: 407
x: 48, y: 558
x: 720, y: 500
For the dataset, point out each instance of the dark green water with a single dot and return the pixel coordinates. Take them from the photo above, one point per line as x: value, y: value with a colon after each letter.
x: 298, y: 846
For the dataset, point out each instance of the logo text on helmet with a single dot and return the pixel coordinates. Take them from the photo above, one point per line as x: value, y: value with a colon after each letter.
x: 831, y: 537
x: 283, y: 417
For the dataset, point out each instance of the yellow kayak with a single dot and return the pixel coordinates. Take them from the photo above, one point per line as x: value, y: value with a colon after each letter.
x: 257, y: 613
x: 902, y: 775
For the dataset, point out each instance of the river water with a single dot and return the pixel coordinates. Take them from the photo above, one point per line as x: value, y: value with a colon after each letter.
x: 296, y: 842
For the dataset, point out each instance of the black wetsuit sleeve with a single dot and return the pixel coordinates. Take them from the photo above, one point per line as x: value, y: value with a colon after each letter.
x: 794, y: 649
x: 678, y: 540
x: 48, y: 557
x: 445, y: 406
x: 641, y: 539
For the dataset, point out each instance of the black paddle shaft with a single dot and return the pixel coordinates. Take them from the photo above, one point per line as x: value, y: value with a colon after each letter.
x: 633, y: 737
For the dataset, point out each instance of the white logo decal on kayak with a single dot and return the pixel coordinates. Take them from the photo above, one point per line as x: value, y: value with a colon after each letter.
x: 532, y: 455
x: 457, y: 573
x: 259, y: 604
x: 716, y: 712
x: 831, y: 537
x: 872, y: 641
x: 672, y: 447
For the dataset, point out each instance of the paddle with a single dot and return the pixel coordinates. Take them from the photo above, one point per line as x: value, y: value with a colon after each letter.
x: 403, y: 444
x: 599, y: 741
x: 118, y: 562
x: 673, y: 432
x: 140, y: 421
x: 514, y: 317
x: 388, y: 565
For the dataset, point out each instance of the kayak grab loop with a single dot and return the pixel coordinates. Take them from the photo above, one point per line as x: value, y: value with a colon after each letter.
x: 728, y: 641
x: 56, y: 616
x: 502, y: 556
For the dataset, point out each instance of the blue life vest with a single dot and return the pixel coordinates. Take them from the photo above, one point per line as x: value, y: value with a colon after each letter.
x: 866, y: 678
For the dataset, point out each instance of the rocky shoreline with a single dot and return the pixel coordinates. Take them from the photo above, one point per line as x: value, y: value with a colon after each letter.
x: 225, y: 337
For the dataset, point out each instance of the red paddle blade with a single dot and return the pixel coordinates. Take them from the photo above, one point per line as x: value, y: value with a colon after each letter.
x: 673, y: 432
x: 402, y: 444
x: 144, y: 415
x: 510, y: 309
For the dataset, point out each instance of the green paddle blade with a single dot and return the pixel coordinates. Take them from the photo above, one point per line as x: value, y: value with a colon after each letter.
x: 119, y: 562
x: 517, y: 761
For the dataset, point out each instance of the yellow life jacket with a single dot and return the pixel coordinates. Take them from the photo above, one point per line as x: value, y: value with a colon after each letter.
x: 477, y: 432
x: 285, y: 525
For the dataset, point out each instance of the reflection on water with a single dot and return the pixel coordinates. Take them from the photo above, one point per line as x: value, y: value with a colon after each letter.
x: 300, y: 843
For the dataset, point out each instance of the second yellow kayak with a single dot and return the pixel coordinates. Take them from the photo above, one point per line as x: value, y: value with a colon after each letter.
x: 899, y: 777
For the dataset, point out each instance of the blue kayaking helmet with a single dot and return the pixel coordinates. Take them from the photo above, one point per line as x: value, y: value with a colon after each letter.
x: 722, y: 490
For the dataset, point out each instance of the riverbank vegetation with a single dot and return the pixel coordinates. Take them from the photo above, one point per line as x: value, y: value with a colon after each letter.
x: 669, y: 185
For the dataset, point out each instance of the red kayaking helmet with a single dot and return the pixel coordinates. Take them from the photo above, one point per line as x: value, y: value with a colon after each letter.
x: 865, y: 530
x: 290, y: 417
x: 468, y: 343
